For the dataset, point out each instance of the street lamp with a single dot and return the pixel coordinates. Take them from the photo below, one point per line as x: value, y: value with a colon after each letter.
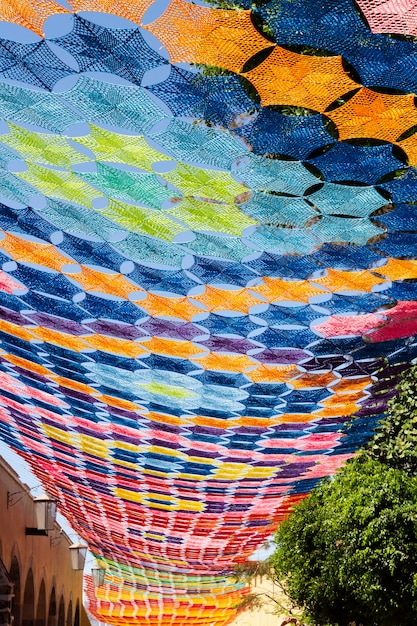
x: 45, y: 511
x: 97, y: 574
x: 78, y: 553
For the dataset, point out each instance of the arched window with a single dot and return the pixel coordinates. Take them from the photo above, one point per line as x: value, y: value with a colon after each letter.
x: 41, y: 607
x: 28, y: 608
x: 52, y: 609
x: 69, y: 614
x: 61, y: 612
x: 6, y: 595
x: 77, y: 614
x: 14, y: 575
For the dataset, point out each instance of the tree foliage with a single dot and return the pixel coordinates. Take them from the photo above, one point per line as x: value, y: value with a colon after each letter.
x: 395, y: 442
x: 348, y: 552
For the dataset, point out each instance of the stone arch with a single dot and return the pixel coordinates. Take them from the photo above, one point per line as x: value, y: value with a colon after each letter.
x: 28, y: 607
x: 61, y: 612
x: 52, y: 608
x: 69, y: 614
x: 14, y: 575
x: 41, y: 606
x: 77, y: 614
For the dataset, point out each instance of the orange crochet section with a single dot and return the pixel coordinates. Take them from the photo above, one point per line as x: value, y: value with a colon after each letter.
x: 278, y: 290
x: 398, y: 269
x: 44, y: 254
x: 226, y: 362
x: 29, y: 14
x: 216, y: 299
x: 160, y: 306
x: 218, y: 37
x: 340, y: 281
x: 300, y: 80
x: 132, y: 10
x: 93, y: 280
x: 375, y: 115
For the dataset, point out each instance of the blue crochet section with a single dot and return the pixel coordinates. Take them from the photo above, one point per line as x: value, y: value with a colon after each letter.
x: 403, y: 188
x: 47, y: 110
x: 399, y: 245
x: 280, y: 315
x: 336, y: 26
x: 32, y: 63
x: 366, y: 303
x: 128, y: 108
x: 216, y: 271
x: 231, y: 248
x: 297, y: 136
x: 217, y: 99
x: 123, y: 52
x: 262, y: 174
x: 199, y: 144
x: 365, y: 164
x: 276, y: 266
x: 278, y: 210
x: 346, y: 200
x: 78, y: 220
x: 346, y: 257
x: 402, y: 217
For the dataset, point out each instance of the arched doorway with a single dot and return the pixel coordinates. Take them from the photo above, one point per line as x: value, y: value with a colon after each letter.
x: 61, y: 612
x: 41, y: 607
x: 77, y: 614
x: 14, y: 575
x: 6, y: 595
x: 28, y: 608
x: 52, y: 609
x: 69, y: 614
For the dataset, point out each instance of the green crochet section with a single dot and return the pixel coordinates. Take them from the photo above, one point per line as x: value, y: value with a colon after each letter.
x: 141, y: 220
x: 202, y: 183
x: 43, y: 148
x: 130, y: 186
x: 116, y: 148
x: 209, y: 216
x: 59, y: 184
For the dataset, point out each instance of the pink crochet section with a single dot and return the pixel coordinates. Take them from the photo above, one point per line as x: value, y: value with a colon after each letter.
x: 390, y: 16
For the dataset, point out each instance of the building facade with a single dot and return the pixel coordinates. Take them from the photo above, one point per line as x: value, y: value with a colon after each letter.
x: 38, y: 586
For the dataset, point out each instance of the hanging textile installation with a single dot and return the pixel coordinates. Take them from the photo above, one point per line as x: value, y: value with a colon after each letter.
x: 208, y: 281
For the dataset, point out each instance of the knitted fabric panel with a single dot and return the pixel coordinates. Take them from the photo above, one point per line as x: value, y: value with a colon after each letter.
x: 390, y: 16
x: 219, y: 37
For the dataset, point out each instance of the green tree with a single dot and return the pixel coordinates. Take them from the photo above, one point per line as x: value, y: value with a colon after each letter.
x: 348, y: 553
x: 395, y: 442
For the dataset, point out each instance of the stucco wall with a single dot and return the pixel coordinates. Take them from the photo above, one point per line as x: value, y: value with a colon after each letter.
x: 47, y: 589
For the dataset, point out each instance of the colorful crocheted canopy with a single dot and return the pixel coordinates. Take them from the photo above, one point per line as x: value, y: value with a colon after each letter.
x: 208, y: 235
